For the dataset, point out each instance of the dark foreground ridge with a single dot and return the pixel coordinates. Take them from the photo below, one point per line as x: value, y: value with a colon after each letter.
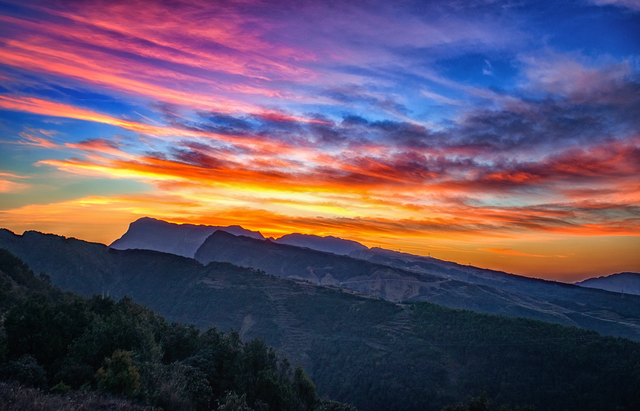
x: 361, y: 350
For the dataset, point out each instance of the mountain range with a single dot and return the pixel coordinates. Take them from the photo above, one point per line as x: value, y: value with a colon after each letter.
x: 396, y: 276
x: 185, y: 239
x: 358, y: 348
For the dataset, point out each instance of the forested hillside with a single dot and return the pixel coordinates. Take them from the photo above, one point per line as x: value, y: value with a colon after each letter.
x: 55, y: 340
x: 362, y: 350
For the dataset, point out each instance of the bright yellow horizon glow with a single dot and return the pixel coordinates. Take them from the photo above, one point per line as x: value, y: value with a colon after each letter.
x: 552, y: 256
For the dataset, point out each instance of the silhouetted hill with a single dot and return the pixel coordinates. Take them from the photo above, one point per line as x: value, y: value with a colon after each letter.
x: 366, y: 351
x: 328, y: 244
x: 180, y: 239
x: 627, y: 283
x: 410, y: 278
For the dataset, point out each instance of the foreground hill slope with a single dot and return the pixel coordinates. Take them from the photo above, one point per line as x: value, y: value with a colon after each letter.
x: 59, y: 341
x: 383, y: 274
x: 180, y: 239
x: 626, y: 283
x: 369, y: 352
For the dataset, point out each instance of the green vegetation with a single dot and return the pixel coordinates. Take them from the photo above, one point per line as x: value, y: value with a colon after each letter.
x: 52, y: 339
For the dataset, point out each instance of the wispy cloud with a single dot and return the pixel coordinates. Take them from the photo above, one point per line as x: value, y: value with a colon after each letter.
x: 631, y: 4
x: 509, y: 251
x: 7, y: 186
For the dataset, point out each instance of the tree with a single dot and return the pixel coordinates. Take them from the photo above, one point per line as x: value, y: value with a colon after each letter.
x: 234, y: 403
x: 120, y: 375
x: 307, y: 398
x: 25, y: 371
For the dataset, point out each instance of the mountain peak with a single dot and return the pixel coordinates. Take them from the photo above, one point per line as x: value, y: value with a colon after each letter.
x: 182, y: 239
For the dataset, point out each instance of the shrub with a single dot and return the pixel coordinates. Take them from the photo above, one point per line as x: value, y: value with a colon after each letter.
x: 120, y: 376
x: 25, y: 371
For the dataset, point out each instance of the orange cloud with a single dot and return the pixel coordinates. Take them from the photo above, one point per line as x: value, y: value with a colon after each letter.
x: 325, y: 190
x: 7, y: 186
x: 509, y: 251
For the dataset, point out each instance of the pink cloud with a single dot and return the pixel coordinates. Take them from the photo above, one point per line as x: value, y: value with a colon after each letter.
x: 575, y: 78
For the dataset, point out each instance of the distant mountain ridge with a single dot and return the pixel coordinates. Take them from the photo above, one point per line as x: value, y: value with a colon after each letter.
x: 328, y: 244
x: 184, y: 239
x: 180, y: 239
x: 626, y: 283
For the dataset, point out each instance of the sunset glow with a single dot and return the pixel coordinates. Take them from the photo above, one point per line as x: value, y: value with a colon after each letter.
x: 501, y: 135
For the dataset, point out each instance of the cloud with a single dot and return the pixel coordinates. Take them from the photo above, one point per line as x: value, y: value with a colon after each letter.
x: 101, y: 146
x: 508, y: 251
x: 578, y: 79
x: 631, y: 4
x: 48, y: 108
x: 7, y: 186
x: 487, y: 70
x: 440, y: 98
x: 360, y: 188
x: 30, y: 139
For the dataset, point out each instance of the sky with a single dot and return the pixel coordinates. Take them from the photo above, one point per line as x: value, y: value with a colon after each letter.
x: 501, y: 134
